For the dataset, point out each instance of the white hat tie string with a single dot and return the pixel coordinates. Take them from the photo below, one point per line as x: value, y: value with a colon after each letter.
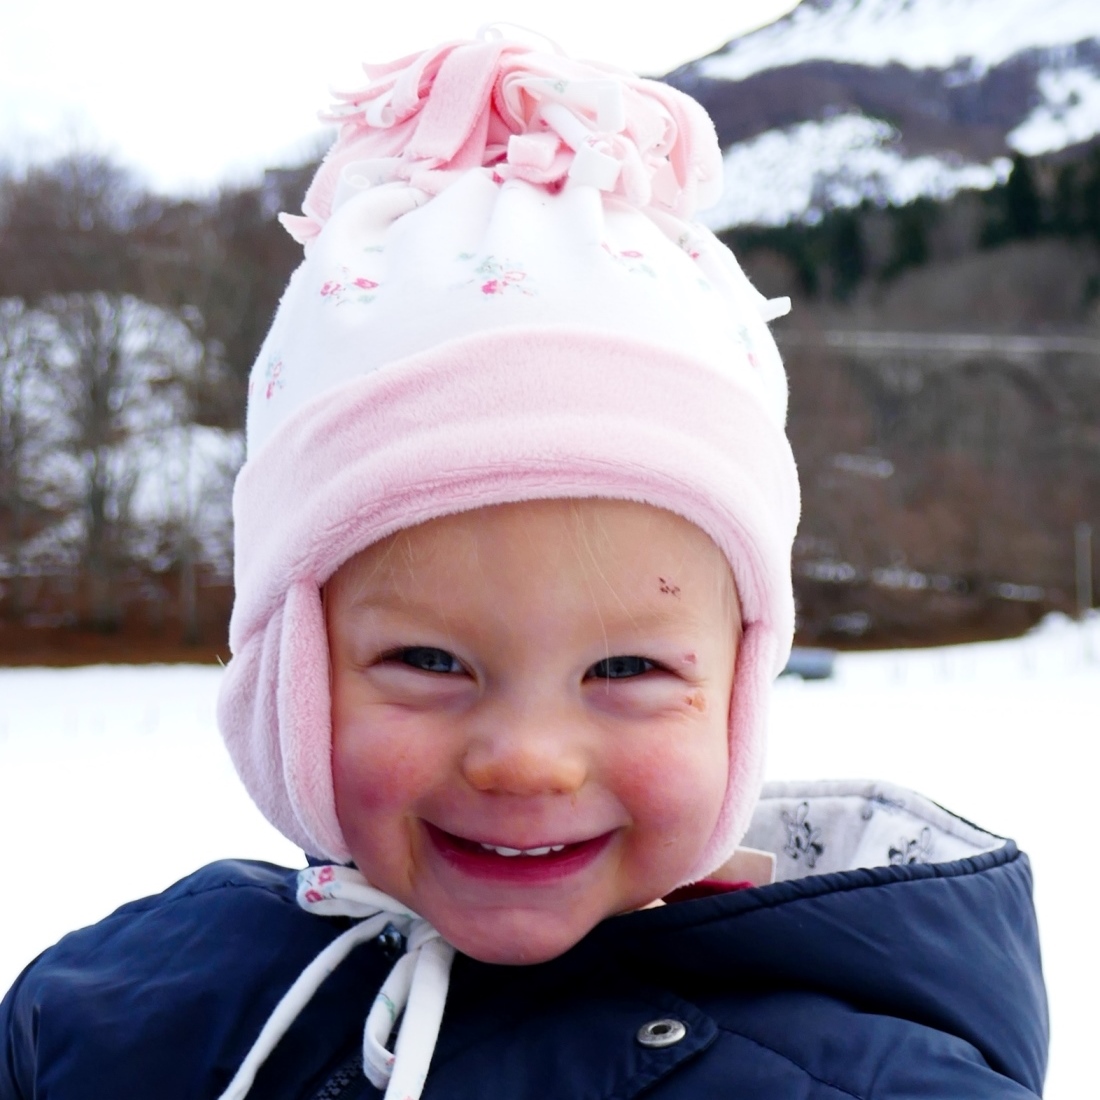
x: 415, y: 991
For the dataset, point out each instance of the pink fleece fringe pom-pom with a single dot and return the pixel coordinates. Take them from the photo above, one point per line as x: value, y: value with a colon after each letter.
x: 525, y: 114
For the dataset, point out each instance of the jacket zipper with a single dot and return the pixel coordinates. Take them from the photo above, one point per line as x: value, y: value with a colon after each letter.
x: 346, y: 1075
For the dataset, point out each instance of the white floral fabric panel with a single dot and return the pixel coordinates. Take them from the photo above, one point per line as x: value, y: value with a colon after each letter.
x: 817, y: 828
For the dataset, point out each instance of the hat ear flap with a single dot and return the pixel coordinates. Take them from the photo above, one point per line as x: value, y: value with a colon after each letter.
x: 752, y: 681
x: 248, y: 718
x: 304, y: 701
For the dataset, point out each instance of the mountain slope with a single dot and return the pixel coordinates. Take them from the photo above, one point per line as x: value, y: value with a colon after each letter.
x: 889, y: 99
x: 958, y: 35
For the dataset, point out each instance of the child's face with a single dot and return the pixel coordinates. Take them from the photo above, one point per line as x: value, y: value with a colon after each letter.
x: 550, y: 678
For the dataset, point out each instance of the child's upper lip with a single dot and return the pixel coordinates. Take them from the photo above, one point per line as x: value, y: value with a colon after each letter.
x: 524, y: 844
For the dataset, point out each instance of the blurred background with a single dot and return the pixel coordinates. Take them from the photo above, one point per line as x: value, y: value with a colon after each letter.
x: 923, y: 178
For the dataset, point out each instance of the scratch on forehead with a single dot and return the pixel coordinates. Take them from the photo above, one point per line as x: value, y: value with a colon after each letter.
x: 668, y: 587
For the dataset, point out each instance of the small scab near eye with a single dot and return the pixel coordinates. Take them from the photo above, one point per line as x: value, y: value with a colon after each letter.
x: 697, y: 701
x: 668, y: 587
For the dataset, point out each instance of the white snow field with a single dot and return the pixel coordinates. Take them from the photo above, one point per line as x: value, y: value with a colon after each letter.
x: 113, y: 783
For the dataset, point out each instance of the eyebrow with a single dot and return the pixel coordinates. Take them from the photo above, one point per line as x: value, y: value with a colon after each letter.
x: 389, y: 599
x: 662, y: 616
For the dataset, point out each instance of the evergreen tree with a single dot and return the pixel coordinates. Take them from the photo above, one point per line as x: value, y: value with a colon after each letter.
x: 847, y: 254
x: 1023, y: 209
x: 910, y: 247
x: 1067, y: 212
x: 1090, y: 196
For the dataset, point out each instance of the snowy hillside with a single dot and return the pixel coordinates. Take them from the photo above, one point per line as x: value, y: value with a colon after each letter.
x: 889, y: 99
x: 968, y: 36
x: 798, y: 173
x: 1068, y: 111
x: 113, y: 784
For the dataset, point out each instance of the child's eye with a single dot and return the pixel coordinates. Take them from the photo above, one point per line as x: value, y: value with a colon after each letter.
x: 619, y: 668
x: 427, y: 659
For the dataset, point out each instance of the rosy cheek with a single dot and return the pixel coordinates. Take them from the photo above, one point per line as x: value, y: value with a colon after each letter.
x: 674, y: 799
x: 375, y: 762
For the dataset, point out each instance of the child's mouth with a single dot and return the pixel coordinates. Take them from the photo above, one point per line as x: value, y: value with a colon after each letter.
x: 500, y: 861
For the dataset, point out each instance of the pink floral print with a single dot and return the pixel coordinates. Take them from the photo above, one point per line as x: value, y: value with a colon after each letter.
x: 631, y: 259
x: 745, y: 337
x: 689, y: 244
x: 319, y: 877
x: 272, y: 380
x: 496, y: 277
x: 349, y: 288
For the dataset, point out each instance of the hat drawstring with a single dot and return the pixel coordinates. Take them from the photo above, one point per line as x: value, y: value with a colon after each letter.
x: 416, y: 987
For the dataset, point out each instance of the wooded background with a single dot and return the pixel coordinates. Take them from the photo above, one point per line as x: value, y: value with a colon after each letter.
x: 944, y: 361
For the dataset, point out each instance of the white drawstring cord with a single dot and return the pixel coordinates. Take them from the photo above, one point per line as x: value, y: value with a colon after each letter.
x: 416, y: 986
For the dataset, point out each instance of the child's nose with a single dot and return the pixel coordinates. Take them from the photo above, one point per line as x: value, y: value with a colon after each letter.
x: 523, y: 761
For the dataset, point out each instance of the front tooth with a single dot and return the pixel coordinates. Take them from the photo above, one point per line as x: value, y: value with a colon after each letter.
x: 502, y: 851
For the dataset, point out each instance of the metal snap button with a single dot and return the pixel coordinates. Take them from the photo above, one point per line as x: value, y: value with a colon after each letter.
x: 661, y: 1033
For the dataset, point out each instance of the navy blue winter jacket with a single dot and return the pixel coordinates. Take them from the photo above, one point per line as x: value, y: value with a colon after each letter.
x: 914, y: 979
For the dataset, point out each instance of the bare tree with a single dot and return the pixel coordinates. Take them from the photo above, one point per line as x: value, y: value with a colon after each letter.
x: 117, y: 379
x: 25, y: 498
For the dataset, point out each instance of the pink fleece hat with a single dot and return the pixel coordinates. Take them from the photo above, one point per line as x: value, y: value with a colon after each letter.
x: 503, y: 298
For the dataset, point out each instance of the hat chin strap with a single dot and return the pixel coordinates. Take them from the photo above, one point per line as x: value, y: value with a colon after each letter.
x: 415, y: 990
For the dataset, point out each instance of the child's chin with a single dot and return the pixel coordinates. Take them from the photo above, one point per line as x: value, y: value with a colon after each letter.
x: 520, y: 941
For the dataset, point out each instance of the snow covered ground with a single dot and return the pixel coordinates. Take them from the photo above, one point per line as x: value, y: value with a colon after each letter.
x: 113, y: 784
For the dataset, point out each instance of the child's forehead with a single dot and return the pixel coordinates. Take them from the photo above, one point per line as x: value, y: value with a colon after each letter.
x: 621, y: 532
x: 600, y: 545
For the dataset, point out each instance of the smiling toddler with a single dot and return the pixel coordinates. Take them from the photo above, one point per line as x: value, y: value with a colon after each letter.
x: 513, y: 581
x: 529, y: 716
